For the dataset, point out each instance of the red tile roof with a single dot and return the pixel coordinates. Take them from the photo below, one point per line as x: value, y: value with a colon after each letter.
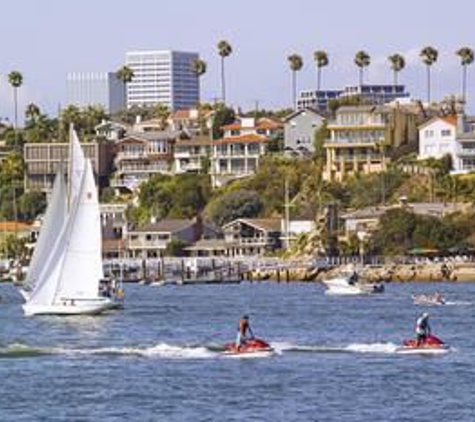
x: 243, y: 139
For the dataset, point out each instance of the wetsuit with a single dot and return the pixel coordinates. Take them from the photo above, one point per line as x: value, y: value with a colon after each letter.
x: 422, y: 329
x: 243, y: 330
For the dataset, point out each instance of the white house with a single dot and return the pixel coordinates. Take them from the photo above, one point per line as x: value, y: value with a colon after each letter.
x: 454, y: 135
x: 438, y: 137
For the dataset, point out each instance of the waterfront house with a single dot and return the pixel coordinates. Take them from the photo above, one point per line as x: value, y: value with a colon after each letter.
x: 43, y: 159
x: 253, y: 236
x: 142, y: 155
x: 151, y: 240
x: 299, y: 131
x: 112, y: 131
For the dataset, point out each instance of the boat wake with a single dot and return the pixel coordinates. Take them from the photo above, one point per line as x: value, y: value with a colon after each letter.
x: 371, y: 348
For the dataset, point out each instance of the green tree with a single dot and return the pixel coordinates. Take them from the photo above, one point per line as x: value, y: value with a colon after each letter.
x: 175, y: 248
x: 236, y: 204
x: 15, y: 79
x: 296, y: 64
x: 222, y: 116
x: 362, y: 60
x: 321, y: 60
x: 429, y: 56
x: 31, y: 204
x: 125, y: 74
x: 398, y: 63
x: 224, y: 50
x: 466, y: 56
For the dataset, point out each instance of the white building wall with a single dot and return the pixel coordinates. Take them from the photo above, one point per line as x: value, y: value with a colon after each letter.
x: 438, y: 139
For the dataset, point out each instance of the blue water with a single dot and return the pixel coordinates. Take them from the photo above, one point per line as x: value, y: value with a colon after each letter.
x: 157, y: 360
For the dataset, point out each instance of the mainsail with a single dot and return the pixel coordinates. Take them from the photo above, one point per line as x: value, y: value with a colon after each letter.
x: 82, y: 267
x: 76, y: 166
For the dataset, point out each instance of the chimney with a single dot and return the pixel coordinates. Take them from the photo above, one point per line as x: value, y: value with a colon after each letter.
x: 138, y: 119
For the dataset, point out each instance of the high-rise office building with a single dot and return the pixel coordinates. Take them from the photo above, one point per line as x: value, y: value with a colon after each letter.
x: 102, y: 89
x: 163, y: 77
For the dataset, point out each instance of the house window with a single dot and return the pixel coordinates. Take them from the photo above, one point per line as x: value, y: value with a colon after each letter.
x: 429, y: 134
x: 446, y: 132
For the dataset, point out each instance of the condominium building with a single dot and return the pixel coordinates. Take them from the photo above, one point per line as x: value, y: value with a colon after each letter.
x: 371, y: 94
x: 192, y: 155
x: 162, y: 77
x: 43, y: 159
x: 361, y: 137
x: 101, y: 89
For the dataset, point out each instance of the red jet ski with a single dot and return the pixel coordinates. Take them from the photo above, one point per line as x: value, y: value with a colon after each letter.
x: 253, y: 345
x: 430, y: 343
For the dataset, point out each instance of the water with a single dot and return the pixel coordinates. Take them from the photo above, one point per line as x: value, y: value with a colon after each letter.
x: 336, y: 359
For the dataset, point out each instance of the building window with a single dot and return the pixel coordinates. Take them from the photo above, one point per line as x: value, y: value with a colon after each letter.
x: 446, y: 132
x: 429, y: 134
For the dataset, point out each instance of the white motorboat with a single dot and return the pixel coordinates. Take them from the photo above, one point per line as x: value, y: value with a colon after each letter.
x: 350, y: 284
x: 66, y: 268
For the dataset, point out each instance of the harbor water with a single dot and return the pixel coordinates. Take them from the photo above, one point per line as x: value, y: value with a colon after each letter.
x: 159, y: 359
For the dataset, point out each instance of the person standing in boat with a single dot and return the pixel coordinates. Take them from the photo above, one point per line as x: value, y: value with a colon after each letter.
x: 422, y: 328
x: 244, y: 332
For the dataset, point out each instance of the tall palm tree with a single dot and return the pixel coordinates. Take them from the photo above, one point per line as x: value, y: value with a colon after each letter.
x: 125, y: 74
x: 429, y: 56
x: 198, y: 67
x: 397, y: 63
x: 32, y: 112
x: 296, y: 64
x: 224, y: 50
x: 321, y: 60
x: 362, y: 60
x: 466, y: 58
x: 15, y: 79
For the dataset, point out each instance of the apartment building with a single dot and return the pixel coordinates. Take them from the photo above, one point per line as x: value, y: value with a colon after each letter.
x: 163, y: 77
x: 42, y: 162
x: 299, y: 131
x: 140, y: 155
x: 101, y: 89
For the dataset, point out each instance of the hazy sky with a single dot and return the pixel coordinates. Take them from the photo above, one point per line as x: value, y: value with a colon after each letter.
x: 45, y: 39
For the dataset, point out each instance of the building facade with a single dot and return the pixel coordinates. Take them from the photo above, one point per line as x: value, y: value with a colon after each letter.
x: 142, y: 155
x: 192, y: 155
x: 43, y: 160
x: 162, y: 77
x: 101, y: 89
x: 299, y: 131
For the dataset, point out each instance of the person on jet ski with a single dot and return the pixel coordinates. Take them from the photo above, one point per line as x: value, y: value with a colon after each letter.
x: 422, y: 328
x: 244, y: 332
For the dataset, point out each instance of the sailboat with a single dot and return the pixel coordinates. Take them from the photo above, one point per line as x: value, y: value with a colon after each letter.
x: 66, y: 268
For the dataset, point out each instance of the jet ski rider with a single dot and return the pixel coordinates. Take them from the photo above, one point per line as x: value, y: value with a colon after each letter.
x: 244, y: 332
x: 422, y: 328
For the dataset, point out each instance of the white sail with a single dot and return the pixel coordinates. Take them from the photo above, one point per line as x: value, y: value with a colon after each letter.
x: 76, y: 165
x: 53, y: 224
x: 82, y: 267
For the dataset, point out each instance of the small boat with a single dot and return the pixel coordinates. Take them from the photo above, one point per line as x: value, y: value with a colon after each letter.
x: 431, y: 344
x: 431, y: 299
x: 252, y: 346
x: 350, y: 284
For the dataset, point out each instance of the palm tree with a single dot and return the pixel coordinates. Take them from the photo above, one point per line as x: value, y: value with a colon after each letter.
x: 362, y: 60
x: 15, y: 79
x: 32, y: 112
x: 321, y: 60
x: 125, y: 74
x: 296, y: 64
x: 224, y: 50
x: 429, y: 56
x: 398, y: 63
x: 466, y: 58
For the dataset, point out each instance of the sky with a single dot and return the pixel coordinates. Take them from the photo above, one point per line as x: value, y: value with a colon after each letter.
x: 45, y: 39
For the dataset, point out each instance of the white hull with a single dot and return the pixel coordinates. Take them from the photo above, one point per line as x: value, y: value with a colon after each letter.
x: 72, y: 307
x: 341, y: 286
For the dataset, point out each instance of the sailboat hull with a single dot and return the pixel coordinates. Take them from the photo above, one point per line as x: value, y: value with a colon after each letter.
x: 72, y: 307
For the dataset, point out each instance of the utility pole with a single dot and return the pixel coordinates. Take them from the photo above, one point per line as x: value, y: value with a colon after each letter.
x: 287, y: 215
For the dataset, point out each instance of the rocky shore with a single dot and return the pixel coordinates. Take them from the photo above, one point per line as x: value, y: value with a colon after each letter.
x: 453, y: 271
